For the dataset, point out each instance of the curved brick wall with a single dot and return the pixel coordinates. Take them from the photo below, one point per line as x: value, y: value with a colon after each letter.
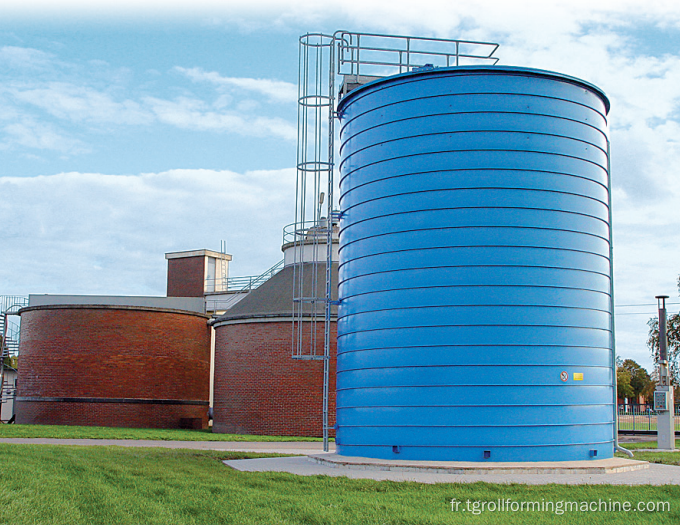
x: 113, y: 366
x: 260, y: 389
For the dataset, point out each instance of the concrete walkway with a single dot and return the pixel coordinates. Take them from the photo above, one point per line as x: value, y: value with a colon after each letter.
x: 304, y: 448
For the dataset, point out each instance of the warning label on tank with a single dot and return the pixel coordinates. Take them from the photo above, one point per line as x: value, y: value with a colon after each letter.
x: 564, y: 376
x: 578, y: 376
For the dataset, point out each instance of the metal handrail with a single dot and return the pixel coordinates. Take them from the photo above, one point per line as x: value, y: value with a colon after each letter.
x: 405, y: 53
x: 305, y: 231
x: 8, y: 302
x: 246, y: 283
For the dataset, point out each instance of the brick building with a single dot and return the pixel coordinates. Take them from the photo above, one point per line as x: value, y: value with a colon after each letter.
x: 114, y: 361
x: 158, y: 362
x: 259, y: 388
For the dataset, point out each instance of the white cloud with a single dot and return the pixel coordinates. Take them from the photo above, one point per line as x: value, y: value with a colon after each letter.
x: 106, y: 234
x: 36, y: 135
x: 31, y: 103
x: 81, y: 103
x: 274, y: 89
x: 194, y: 114
x: 24, y: 58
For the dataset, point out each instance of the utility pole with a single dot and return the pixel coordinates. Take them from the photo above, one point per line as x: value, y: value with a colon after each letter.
x: 663, y: 396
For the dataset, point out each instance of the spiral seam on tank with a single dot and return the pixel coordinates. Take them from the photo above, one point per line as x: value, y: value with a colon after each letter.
x: 551, y: 306
x: 605, y: 257
x: 441, y: 96
x: 491, y: 227
x: 480, y: 385
x: 467, y: 226
x: 349, y: 140
x: 484, y: 365
x: 528, y: 286
x: 375, y: 165
x: 469, y: 246
x: 475, y: 188
x: 346, y: 225
x: 503, y: 285
x: 473, y: 171
x: 477, y: 150
x: 343, y: 280
x: 485, y: 345
x: 440, y: 114
x: 495, y: 325
x: 409, y: 138
x: 372, y: 217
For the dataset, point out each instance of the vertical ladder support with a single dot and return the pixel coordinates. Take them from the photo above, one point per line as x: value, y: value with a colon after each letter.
x: 311, y: 302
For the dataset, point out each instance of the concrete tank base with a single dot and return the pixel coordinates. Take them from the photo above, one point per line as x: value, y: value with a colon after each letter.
x: 596, y: 466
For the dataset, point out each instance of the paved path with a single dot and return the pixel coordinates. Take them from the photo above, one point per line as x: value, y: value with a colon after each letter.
x: 636, y: 438
x: 304, y: 448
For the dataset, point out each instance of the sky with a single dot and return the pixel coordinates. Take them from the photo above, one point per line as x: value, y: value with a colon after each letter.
x: 132, y: 129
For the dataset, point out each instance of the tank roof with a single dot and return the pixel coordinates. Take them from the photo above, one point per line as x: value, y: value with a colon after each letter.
x: 463, y: 70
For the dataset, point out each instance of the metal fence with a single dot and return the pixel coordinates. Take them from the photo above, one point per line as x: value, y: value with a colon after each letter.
x: 641, y: 417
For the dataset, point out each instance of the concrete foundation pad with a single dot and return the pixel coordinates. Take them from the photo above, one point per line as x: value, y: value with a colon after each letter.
x: 595, y: 466
x: 649, y: 474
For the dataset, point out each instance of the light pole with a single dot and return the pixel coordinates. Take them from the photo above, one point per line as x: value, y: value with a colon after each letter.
x: 663, y: 396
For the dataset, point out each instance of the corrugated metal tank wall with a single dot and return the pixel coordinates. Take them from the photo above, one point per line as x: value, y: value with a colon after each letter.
x: 475, y: 275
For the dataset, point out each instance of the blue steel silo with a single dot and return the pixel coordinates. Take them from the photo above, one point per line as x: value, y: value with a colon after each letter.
x: 475, y: 285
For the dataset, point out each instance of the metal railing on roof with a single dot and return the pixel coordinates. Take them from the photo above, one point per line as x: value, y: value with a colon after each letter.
x: 12, y: 303
x: 244, y: 283
x: 309, y: 230
x: 10, y: 331
x: 247, y: 283
x: 369, y: 54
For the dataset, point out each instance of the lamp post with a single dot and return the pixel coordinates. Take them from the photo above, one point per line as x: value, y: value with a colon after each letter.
x: 663, y: 396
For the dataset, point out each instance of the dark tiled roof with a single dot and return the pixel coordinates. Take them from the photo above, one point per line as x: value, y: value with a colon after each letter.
x: 274, y: 298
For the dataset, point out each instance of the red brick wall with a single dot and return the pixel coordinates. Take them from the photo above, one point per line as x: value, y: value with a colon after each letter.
x: 186, y: 277
x: 112, y: 352
x: 108, y: 414
x: 260, y: 389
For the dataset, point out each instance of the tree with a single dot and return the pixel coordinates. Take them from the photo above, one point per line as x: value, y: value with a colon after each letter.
x: 648, y: 391
x: 623, y: 388
x: 673, y: 344
x: 639, y: 378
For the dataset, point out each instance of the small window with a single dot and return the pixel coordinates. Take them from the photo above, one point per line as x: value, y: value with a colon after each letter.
x: 210, y: 276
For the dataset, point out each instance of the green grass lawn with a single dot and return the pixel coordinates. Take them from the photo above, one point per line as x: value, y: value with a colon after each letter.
x: 666, y: 458
x: 116, y: 485
x: 74, y: 432
x: 645, y: 444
